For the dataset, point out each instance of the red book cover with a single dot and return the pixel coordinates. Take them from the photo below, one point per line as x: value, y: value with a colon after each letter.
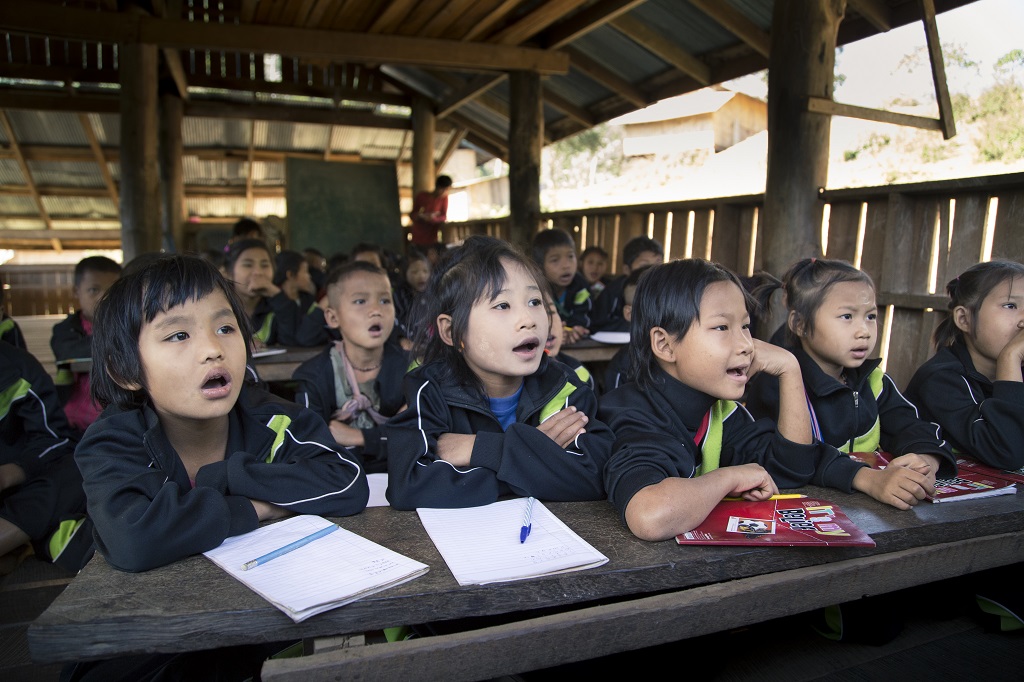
x: 973, y: 481
x: 974, y: 466
x: 784, y: 523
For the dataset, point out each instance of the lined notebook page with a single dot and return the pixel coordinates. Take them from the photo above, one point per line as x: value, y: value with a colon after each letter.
x: 481, y: 544
x: 331, y: 571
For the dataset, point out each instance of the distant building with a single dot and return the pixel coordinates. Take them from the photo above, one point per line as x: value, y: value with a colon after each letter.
x: 708, y: 120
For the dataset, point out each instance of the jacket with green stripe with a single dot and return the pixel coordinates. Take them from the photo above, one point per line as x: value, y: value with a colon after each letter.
x: 575, y: 307
x: 33, y: 431
x: 146, y: 511
x: 276, y: 319
x: 852, y: 418
x: 519, y: 461
x: 654, y: 439
x: 10, y: 332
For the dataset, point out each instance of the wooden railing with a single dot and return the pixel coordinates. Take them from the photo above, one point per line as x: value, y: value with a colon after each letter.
x: 911, y: 239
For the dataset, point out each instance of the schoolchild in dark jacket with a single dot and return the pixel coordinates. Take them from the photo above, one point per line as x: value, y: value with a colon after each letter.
x: 576, y: 303
x: 850, y: 418
x: 519, y: 461
x: 317, y: 392
x: 10, y: 332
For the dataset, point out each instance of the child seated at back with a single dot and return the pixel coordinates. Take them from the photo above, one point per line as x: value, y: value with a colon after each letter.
x: 355, y: 384
x: 72, y: 339
x: 489, y: 414
x: 639, y: 252
x: 555, y: 252
x: 593, y: 265
x: 682, y: 441
x: 553, y: 347
x: 972, y: 387
x: 831, y: 327
x: 10, y: 332
x: 273, y: 317
x: 187, y: 454
x: 618, y: 373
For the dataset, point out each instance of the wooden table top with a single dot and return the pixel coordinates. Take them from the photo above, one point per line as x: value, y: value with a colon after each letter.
x: 193, y: 605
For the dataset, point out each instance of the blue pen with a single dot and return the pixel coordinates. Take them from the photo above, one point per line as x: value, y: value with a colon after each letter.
x: 527, y: 521
x: 289, y: 547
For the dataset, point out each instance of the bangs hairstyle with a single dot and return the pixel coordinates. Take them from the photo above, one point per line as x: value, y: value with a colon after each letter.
x: 669, y: 296
x: 545, y: 240
x: 287, y: 261
x: 241, y: 246
x: 470, y: 273
x: 136, y: 300
x: 336, y: 277
x: 806, y: 284
x: 969, y: 290
x: 95, y: 264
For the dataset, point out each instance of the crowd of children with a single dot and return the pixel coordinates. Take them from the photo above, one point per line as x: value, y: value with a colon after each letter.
x: 449, y: 374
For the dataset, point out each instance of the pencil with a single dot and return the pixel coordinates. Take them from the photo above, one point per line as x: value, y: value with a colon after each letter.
x: 289, y: 547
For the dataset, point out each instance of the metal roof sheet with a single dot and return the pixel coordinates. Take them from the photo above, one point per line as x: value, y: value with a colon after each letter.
x: 19, y: 205
x: 196, y: 171
x: 219, y: 207
x: 22, y: 223
x: 10, y: 172
x: 65, y: 173
x: 214, y: 132
x: 685, y: 25
x: 80, y: 207
x: 291, y: 136
x: 47, y: 127
x: 107, y: 128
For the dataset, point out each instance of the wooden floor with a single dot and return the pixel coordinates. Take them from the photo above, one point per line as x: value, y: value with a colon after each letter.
x: 943, y: 639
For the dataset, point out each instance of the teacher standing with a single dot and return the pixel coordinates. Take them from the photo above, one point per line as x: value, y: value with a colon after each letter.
x: 429, y: 212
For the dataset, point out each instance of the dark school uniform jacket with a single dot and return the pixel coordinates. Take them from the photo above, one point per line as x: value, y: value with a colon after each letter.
x: 276, y: 319
x: 607, y: 313
x: 10, y: 332
x: 146, y: 511
x: 654, y: 439
x: 575, y: 365
x: 847, y: 412
x: 982, y: 419
x: 519, y: 461
x: 577, y: 303
x: 69, y: 341
x: 617, y: 372
x: 33, y: 431
x: 317, y: 392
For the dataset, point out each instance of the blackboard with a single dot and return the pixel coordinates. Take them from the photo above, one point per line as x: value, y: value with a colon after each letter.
x: 334, y: 206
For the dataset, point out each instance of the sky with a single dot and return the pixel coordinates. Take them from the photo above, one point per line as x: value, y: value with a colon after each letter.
x: 986, y: 29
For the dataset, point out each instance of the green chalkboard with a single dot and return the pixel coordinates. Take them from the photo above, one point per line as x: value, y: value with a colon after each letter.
x: 334, y: 206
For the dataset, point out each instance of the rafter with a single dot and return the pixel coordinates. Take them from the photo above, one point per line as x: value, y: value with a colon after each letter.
x: 536, y: 21
x: 446, y: 17
x: 392, y: 15
x: 582, y: 23
x: 655, y: 42
x: 458, y: 135
x: 5, y: 123
x: 592, y: 69
x: 475, y: 87
x: 573, y: 111
x: 931, y: 32
x: 99, y: 157
x: 731, y: 19
x: 484, y: 25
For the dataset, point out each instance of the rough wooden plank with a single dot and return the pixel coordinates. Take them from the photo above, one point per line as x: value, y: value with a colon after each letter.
x: 703, y: 233
x: 873, y: 249
x: 968, y: 233
x: 843, y: 222
x: 727, y: 246
x: 820, y: 105
x: 1008, y: 240
x: 931, y: 33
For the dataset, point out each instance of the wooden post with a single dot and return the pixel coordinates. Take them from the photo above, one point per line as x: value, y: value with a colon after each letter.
x: 423, y: 121
x: 140, y: 179
x: 525, y: 140
x: 802, y: 65
x: 171, y: 178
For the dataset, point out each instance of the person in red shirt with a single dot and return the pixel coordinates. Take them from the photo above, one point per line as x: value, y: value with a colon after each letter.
x: 429, y: 212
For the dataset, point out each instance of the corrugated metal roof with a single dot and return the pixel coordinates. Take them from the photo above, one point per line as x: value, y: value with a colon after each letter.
x: 266, y: 206
x: 89, y: 225
x: 65, y: 173
x: 214, y: 132
x: 384, y: 143
x: 19, y: 205
x: 21, y: 223
x: 758, y: 11
x: 196, y: 171
x: 619, y: 54
x: 226, y: 207
x: 267, y: 173
x: 10, y: 172
x: 291, y: 136
x: 80, y: 207
x: 107, y: 128
x: 684, y: 25
x: 47, y: 127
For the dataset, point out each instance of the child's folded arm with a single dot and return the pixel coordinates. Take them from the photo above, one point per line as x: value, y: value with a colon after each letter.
x: 287, y: 316
x: 69, y: 341
x: 905, y: 431
x: 42, y: 422
x: 745, y: 441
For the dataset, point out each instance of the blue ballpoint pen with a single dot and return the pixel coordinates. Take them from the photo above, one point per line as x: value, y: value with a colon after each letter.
x: 527, y: 521
x: 289, y: 547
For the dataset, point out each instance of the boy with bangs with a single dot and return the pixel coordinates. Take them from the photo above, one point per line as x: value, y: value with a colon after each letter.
x: 355, y: 384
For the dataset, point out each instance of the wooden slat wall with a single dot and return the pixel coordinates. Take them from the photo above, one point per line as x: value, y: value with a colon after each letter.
x: 908, y: 245
x: 38, y: 289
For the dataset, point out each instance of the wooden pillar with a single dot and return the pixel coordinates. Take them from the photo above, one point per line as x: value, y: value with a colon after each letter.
x: 423, y: 121
x: 171, y: 179
x: 525, y: 140
x: 140, y: 179
x: 802, y: 64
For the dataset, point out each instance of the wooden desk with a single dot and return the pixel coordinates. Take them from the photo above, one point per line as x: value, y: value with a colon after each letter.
x: 647, y: 593
x: 281, y: 367
x: 590, y: 351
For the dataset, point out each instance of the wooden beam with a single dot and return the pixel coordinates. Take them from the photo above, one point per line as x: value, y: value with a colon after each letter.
x: 582, y: 23
x: 445, y: 18
x: 655, y: 42
x: 58, y: 101
x: 484, y: 25
x: 931, y: 32
x: 577, y: 113
x: 545, y: 14
x: 33, y: 190
x: 875, y: 11
x: 457, y: 136
x: 592, y: 69
x: 113, y: 234
x: 273, y: 112
x: 336, y: 93
x: 99, y: 157
x: 249, y: 165
x: 173, y: 60
x: 80, y: 24
x: 480, y: 132
x: 12, y: 140
x: 474, y: 88
x: 820, y: 105
x: 392, y: 16
x: 525, y: 142
x: 734, y: 21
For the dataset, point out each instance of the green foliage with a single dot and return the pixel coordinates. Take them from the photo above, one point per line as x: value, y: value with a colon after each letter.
x: 586, y: 158
x: 874, y: 144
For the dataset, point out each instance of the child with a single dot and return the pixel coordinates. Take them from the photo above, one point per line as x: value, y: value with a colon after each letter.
x: 273, y: 316
x: 415, y: 275
x: 593, y: 264
x: 553, y: 347
x: 10, y: 332
x: 72, y: 339
x: 682, y: 442
x: 371, y: 253
x: 291, y: 274
x: 356, y: 384
x: 186, y: 455
x: 972, y: 385
x: 41, y: 497
x: 617, y: 373
x: 639, y: 252
x: 855, y: 407
x: 489, y: 414
x: 555, y: 252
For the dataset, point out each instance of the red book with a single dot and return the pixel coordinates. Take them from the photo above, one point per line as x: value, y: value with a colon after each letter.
x: 971, y: 483
x: 784, y: 523
x: 966, y: 464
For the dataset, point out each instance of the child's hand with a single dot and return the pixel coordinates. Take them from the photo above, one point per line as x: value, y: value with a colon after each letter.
x: 266, y: 511
x: 771, y: 359
x: 564, y: 426
x: 346, y: 435
x: 261, y: 285
x: 927, y: 465
x: 569, y: 336
x: 456, y: 448
x: 898, y: 486
x: 11, y: 475
x: 1008, y: 364
x: 752, y: 482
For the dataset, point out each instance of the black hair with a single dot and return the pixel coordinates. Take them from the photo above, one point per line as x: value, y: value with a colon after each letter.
x: 443, y: 181
x: 238, y: 248
x: 341, y: 273
x: 246, y: 226
x: 472, y: 272
x: 632, y: 279
x: 637, y: 245
x: 969, y: 290
x: 95, y: 264
x: 367, y: 247
x: 669, y: 296
x: 593, y: 250
x: 806, y: 285
x: 287, y: 261
x: 336, y: 261
x: 545, y: 240
x: 413, y: 256
x: 137, y: 299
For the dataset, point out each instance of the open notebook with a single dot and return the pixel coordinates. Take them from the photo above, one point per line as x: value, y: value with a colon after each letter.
x: 329, y: 572
x: 481, y: 544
